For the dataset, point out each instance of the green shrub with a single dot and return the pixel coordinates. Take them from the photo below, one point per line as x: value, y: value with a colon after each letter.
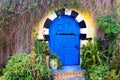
x: 100, y: 72
x: 112, y: 75
x: 91, y: 54
x: 110, y: 25
x: 111, y: 28
x: 41, y: 47
x: 1, y: 71
x: 26, y: 67
x: 116, y: 58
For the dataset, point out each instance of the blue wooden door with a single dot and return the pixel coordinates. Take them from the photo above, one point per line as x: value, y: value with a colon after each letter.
x: 64, y: 40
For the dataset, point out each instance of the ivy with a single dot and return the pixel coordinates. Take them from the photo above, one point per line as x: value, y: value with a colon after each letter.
x: 110, y: 25
x: 111, y: 28
x: 4, y: 42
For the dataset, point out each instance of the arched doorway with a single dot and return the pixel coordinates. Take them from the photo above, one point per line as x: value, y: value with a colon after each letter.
x: 57, y: 32
x: 64, y: 40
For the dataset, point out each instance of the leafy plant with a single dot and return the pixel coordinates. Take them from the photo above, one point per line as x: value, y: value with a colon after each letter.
x: 112, y: 75
x: 100, y: 72
x: 116, y: 58
x: 1, y: 71
x: 18, y: 68
x: 111, y: 28
x: 109, y: 24
x: 41, y: 46
x: 96, y: 72
x: 91, y: 54
x: 26, y: 67
x: 39, y: 68
x: 93, y: 62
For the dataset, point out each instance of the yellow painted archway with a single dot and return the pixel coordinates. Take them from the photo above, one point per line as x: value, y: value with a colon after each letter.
x: 85, y: 15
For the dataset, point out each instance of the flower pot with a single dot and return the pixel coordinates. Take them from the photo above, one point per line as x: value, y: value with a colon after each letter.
x: 53, y: 64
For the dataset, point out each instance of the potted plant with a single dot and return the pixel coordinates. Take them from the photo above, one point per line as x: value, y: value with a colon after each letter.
x: 54, y: 62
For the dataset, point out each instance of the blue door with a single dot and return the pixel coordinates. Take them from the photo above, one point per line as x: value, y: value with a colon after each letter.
x: 64, y: 40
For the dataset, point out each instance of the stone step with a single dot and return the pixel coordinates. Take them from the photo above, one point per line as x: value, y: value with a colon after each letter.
x: 72, y: 78
x: 69, y: 73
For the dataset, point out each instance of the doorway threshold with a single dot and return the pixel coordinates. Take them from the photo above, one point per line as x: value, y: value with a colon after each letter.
x: 68, y: 73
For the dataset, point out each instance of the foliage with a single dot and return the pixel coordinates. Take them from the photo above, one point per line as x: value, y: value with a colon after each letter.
x: 4, y: 43
x: 1, y: 78
x: 110, y: 27
x: 109, y: 68
x: 41, y: 47
x: 116, y: 58
x: 70, y: 3
x: 18, y: 68
x: 26, y: 67
x: 98, y: 72
x: 112, y: 75
x: 91, y: 54
x: 101, y: 72
x: 117, y: 4
x: 1, y: 71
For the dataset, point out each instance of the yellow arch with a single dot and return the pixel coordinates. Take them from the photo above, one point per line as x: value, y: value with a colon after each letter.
x: 89, y: 19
